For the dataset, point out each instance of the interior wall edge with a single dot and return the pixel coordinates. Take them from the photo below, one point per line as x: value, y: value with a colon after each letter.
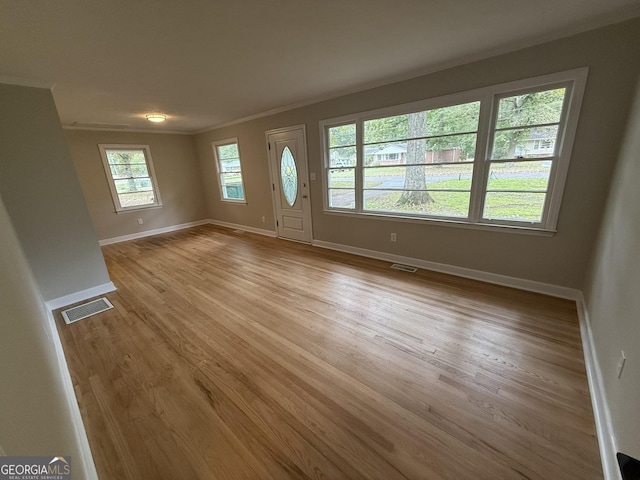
x: 605, y: 432
x: 86, y: 458
x: 80, y: 296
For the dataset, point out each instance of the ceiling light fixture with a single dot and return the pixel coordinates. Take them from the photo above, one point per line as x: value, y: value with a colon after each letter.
x: 156, y: 117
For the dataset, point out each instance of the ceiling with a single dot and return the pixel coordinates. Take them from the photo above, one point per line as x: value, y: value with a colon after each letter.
x: 205, y: 63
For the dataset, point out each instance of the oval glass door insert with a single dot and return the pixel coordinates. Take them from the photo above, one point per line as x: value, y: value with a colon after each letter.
x: 289, y: 176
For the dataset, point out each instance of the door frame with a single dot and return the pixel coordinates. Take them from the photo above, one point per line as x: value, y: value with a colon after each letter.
x: 272, y: 180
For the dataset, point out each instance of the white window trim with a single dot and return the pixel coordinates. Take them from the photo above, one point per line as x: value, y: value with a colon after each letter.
x: 219, y: 143
x: 112, y: 186
x: 574, y: 79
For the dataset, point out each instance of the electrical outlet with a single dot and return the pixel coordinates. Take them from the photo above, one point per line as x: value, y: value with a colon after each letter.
x: 621, y: 362
x: 263, y: 219
x: 312, y: 175
x: 393, y: 237
x: 140, y: 221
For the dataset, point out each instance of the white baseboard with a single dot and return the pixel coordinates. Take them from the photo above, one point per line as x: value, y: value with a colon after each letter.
x: 182, y: 226
x: 86, y: 458
x: 149, y: 233
x: 80, y: 296
x: 520, y: 283
x: 259, y: 231
x: 604, y: 426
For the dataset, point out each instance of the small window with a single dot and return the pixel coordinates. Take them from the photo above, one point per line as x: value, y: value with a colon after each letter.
x: 227, y: 154
x: 131, y: 176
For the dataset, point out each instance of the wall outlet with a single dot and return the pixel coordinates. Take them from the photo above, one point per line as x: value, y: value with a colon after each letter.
x: 312, y: 175
x: 140, y: 221
x: 263, y: 219
x: 621, y: 362
x: 393, y: 237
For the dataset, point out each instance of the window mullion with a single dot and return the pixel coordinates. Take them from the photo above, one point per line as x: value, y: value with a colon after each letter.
x: 480, y: 164
x: 359, y: 193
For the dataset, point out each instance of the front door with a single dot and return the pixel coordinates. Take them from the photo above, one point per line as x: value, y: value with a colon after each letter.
x: 287, y: 149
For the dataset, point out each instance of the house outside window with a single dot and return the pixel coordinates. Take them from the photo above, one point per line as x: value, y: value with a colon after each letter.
x: 131, y: 176
x: 492, y: 157
x: 227, y: 155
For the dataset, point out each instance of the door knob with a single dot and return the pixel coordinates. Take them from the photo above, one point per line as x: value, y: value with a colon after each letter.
x: 304, y: 196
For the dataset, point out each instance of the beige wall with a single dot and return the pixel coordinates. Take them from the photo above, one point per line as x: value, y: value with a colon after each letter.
x: 255, y: 168
x: 176, y: 167
x: 35, y: 414
x: 612, y: 55
x: 612, y: 292
x: 41, y: 192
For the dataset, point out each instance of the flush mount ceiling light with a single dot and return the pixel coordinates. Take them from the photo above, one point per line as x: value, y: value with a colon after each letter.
x: 156, y: 117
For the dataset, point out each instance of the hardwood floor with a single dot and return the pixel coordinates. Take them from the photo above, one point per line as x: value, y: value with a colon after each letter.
x: 234, y: 356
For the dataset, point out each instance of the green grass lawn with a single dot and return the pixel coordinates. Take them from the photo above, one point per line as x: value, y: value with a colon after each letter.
x: 446, y: 204
x: 135, y: 199
x: 522, y: 206
x: 494, y: 184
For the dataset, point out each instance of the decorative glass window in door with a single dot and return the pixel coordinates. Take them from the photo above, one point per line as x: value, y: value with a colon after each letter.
x: 289, y: 176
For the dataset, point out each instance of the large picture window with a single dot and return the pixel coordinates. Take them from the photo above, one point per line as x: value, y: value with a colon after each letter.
x: 494, y: 156
x: 131, y: 176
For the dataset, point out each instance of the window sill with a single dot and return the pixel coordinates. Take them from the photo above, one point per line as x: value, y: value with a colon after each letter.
x: 491, y: 227
x: 233, y: 202
x: 137, y: 209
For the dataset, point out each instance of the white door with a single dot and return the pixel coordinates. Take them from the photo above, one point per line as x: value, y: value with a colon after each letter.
x: 287, y: 149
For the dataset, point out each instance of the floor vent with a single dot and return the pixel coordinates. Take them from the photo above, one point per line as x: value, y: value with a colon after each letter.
x: 239, y: 232
x: 404, y: 268
x: 86, y: 310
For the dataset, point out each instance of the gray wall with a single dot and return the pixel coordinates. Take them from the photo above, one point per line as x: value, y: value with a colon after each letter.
x: 611, y: 54
x: 41, y: 192
x: 35, y: 416
x: 612, y: 291
x: 178, y: 176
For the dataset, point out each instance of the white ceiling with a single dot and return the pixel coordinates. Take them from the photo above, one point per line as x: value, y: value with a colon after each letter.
x: 209, y: 62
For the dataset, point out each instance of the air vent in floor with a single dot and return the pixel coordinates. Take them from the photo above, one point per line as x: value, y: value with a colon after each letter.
x: 404, y: 268
x: 86, y: 310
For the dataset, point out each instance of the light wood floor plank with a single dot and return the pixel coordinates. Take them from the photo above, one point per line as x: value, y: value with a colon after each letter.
x: 234, y: 356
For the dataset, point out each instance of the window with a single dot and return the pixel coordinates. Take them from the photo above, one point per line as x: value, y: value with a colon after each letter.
x: 131, y: 176
x: 496, y: 156
x: 518, y: 181
x: 227, y: 154
x: 435, y: 177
